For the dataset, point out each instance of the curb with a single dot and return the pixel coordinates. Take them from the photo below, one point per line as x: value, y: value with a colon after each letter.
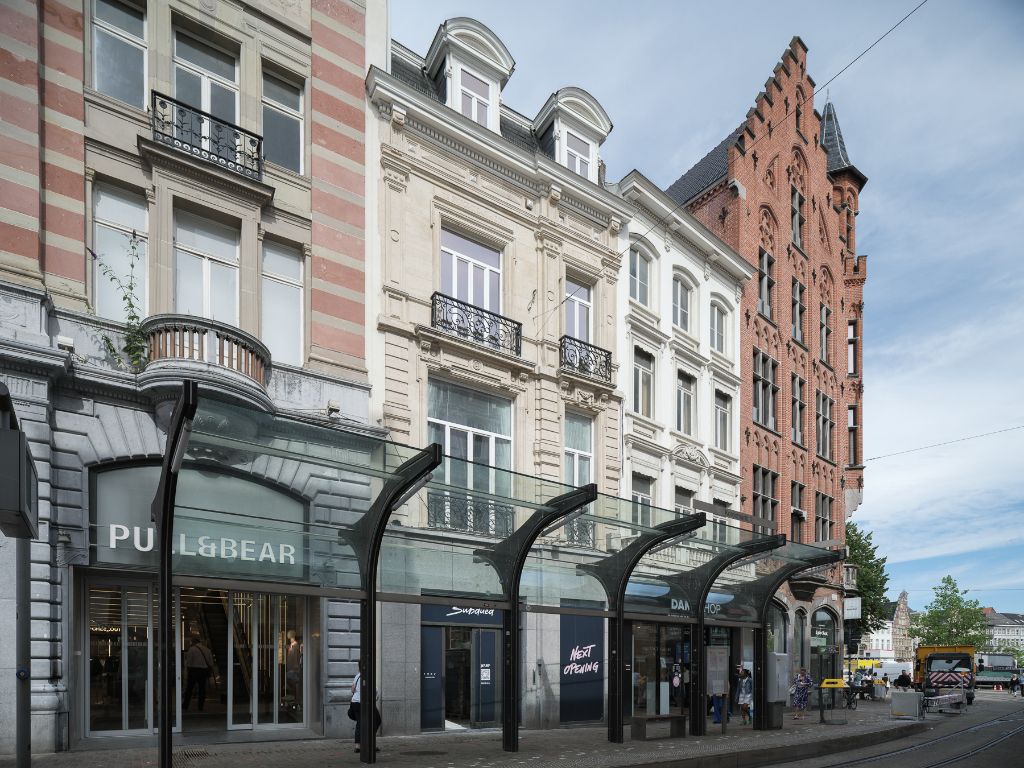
x: 790, y: 752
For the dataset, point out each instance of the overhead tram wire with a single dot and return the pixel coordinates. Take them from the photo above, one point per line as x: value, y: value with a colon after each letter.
x: 816, y: 91
x: 947, y: 442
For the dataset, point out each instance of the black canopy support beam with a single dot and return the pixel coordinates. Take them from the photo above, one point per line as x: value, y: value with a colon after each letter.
x: 508, y: 558
x: 162, y: 513
x: 369, y: 532
x: 769, y: 586
x: 614, y: 573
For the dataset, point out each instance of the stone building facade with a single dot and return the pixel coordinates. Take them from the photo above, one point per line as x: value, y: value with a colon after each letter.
x: 496, y: 304
x: 211, y: 156
x: 782, y: 191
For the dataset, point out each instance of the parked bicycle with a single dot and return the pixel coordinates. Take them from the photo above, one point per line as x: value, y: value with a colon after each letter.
x: 850, y: 694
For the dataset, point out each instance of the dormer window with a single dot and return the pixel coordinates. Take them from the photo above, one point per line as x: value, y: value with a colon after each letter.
x: 475, y: 97
x: 577, y: 154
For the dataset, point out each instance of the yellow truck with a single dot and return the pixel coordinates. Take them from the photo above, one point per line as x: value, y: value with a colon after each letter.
x: 945, y: 670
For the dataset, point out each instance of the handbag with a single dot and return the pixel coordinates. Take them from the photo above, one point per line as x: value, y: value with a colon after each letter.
x: 792, y: 690
x: 352, y: 711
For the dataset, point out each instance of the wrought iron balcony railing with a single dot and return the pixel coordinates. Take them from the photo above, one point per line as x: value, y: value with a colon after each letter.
x: 206, y: 137
x: 464, y: 512
x: 585, y: 359
x: 465, y: 321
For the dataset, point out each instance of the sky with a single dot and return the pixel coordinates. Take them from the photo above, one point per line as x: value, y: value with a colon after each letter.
x: 933, y: 116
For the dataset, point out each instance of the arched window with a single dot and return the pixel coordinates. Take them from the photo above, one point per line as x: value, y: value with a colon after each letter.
x: 680, y: 304
x: 719, y: 322
x: 640, y: 276
x: 824, y: 653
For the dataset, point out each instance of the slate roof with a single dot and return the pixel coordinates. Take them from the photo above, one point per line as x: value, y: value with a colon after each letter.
x: 511, y: 130
x: 832, y: 141
x: 890, y: 608
x: 708, y: 170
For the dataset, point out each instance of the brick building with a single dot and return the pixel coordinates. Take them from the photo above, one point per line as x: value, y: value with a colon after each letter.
x: 783, y: 192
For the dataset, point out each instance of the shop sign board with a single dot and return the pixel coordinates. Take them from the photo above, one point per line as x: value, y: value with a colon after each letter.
x: 581, y: 674
x: 461, y: 614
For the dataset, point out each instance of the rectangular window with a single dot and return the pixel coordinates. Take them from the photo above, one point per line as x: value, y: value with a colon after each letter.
x: 578, y: 310
x: 283, y: 318
x: 765, y: 389
x: 718, y: 329
x: 643, y: 382
x: 639, y: 277
x: 206, y: 78
x: 765, y: 500
x: 475, y: 431
x: 797, y: 408
x: 723, y: 419
x: 680, y: 304
x: 720, y: 530
x: 825, y: 331
x: 119, y: 223
x: 643, y: 499
x: 579, y: 460
x: 798, y: 217
x: 851, y: 347
x: 205, y: 268
x: 825, y: 425
x: 765, y: 283
x: 822, y: 517
x: 797, y: 514
x: 476, y: 97
x: 686, y: 387
x: 577, y: 154
x: 851, y: 421
x: 119, y: 51
x: 684, y: 500
x: 282, y: 123
x: 470, y: 272
x: 798, y: 311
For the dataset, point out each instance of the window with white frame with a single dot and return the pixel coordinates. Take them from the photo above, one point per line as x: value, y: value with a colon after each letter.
x: 639, y: 276
x: 765, y: 283
x: 475, y: 94
x: 205, y: 268
x: 797, y: 410
x: 765, y: 500
x: 719, y: 318
x: 680, y: 304
x: 470, y: 272
x: 206, y: 77
x: 281, y: 301
x: 643, y: 499
x: 686, y: 393
x: 723, y: 420
x: 825, y: 425
x: 721, y: 531
x: 474, y: 430
x: 798, y: 311
x: 119, y: 220
x: 684, y: 500
x: 851, y: 434
x: 579, y: 309
x: 579, y: 461
x: 119, y: 51
x: 796, y: 501
x: 823, y: 525
x: 797, y: 205
x: 283, y: 137
x: 824, y: 332
x: 851, y: 347
x: 643, y: 382
x: 577, y: 154
x: 765, y: 389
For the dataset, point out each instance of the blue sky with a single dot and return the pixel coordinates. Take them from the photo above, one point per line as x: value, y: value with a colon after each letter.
x: 933, y: 115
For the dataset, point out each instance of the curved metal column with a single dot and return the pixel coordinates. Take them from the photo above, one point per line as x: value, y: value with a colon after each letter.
x: 614, y: 572
x: 508, y: 557
x: 162, y: 514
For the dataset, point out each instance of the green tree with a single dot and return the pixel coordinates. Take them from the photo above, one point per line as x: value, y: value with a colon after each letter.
x: 950, y: 619
x: 872, y: 580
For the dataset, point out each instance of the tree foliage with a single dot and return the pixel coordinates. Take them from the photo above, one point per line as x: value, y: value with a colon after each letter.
x: 950, y: 619
x: 872, y: 580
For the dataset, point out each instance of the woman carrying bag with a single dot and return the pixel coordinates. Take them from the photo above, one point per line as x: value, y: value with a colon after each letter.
x: 355, y: 708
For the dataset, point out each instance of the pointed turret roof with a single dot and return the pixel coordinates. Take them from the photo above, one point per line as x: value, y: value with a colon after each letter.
x: 832, y: 141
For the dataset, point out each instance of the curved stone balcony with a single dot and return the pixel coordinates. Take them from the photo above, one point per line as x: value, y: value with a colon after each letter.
x: 218, y: 354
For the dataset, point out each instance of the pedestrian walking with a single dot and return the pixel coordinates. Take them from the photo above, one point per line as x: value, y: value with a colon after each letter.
x: 801, y: 690
x: 355, y: 708
x: 1014, y: 685
x: 745, y: 697
x: 199, y: 667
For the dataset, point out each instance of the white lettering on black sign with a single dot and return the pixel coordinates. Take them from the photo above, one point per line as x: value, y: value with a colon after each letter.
x: 577, y: 661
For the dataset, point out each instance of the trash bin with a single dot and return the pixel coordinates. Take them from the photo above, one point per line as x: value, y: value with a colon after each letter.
x: 832, y: 701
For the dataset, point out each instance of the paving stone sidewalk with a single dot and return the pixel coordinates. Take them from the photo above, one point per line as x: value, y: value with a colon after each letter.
x: 585, y: 747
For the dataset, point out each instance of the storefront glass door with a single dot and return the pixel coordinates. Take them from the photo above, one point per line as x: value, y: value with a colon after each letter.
x: 661, y: 661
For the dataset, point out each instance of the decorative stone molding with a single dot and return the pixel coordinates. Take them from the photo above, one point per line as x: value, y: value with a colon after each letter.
x: 554, y: 194
x: 398, y: 115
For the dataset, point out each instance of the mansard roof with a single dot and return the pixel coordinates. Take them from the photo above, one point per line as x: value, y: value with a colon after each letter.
x: 832, y: 141
x: 707, y: 171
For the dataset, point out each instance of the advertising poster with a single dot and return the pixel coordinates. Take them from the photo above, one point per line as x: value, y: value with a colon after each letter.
x: 581, y: 675
x: 718, y: 670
